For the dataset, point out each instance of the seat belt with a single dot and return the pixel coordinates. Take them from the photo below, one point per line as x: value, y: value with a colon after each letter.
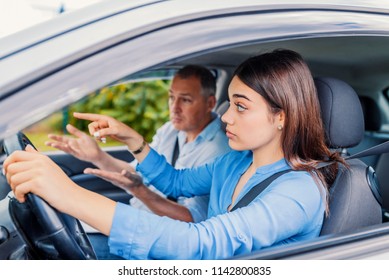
x: 257, y: 189
x: 382, y: 148
x: 176, y: 152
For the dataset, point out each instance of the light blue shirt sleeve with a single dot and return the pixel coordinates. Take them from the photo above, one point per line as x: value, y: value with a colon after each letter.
x: 176, y: 182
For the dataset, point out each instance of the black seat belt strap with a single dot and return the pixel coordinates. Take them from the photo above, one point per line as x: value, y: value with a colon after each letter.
x: 257, y: 189
x: 375, y: 150
x: 176, y: 152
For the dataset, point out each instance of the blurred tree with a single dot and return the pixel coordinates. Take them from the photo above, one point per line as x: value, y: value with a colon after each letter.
x: 141, y: 105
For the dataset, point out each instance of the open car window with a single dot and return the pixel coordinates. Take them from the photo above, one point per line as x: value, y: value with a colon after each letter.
x: 139, y: 100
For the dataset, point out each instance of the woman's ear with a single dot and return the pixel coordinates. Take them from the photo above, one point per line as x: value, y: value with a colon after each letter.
x: 280, y: 119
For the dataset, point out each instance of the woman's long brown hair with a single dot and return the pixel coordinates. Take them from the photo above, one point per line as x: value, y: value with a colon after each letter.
x: 284, y: 80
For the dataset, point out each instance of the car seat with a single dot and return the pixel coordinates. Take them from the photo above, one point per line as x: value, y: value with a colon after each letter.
x: 380, y: 163
x: 352, y: 203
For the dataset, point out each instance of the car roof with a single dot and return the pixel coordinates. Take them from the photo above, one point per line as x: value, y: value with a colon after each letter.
x: 152, y: 16
x: 147, y: 15
x: 177, y: 10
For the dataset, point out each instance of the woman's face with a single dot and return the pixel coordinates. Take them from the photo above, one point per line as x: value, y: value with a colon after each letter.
x: 250, y: 124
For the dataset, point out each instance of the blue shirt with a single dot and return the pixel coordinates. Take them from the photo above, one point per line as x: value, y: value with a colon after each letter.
x: 209, y: 144
x: 289, y: 210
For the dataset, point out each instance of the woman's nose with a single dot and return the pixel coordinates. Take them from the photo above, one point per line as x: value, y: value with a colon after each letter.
x: 226, y: 118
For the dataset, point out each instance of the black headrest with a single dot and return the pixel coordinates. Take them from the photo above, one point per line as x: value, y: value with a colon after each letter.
x: 341, y: 112
x: 371, y: 112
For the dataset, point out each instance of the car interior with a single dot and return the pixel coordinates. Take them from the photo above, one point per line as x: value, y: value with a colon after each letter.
x: 351, y: 75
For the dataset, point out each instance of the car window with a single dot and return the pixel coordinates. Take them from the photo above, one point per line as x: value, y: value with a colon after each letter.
x: 140, y: 100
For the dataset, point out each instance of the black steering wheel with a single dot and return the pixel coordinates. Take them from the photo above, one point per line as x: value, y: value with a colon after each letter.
x: 48, y: 233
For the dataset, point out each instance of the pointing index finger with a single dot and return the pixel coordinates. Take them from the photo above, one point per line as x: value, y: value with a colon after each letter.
x: 88, y: 116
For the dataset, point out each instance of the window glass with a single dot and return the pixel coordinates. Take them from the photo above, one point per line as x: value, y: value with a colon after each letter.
x: 141, y: 101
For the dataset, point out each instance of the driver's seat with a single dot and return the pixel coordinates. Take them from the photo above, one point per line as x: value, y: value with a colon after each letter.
x: 354, y: 200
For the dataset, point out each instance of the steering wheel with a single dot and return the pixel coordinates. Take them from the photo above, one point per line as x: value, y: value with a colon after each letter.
x: 48, y: 233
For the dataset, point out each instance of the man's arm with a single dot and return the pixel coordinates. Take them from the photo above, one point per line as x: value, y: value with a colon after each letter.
x: 110, y: 163
x: 161, y: 205
x: 132, y: 182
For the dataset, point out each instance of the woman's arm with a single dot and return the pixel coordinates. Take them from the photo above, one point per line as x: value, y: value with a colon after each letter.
x: 176, y: 182
x: 29, y: 171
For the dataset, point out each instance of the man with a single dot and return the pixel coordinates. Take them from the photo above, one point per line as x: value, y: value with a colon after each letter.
x: 193, y: 129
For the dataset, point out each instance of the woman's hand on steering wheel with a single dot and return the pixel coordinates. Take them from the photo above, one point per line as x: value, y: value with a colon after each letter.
x: 32, y: 172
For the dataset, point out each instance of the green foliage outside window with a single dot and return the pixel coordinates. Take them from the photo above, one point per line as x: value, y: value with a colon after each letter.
x: 141, y: 105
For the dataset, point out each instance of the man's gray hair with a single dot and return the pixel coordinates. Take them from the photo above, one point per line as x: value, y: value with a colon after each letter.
x: 207, y: 79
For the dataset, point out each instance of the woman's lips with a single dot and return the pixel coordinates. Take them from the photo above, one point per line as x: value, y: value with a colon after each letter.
x: 230, y: 134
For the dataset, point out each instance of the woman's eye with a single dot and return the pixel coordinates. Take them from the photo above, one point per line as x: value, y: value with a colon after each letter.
x: 240, y: 108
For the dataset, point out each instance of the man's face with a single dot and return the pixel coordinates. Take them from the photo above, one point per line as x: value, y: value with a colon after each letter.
x: 189, y: 109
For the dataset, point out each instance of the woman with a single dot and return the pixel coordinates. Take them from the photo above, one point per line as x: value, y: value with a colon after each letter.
x: 273, y: 124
